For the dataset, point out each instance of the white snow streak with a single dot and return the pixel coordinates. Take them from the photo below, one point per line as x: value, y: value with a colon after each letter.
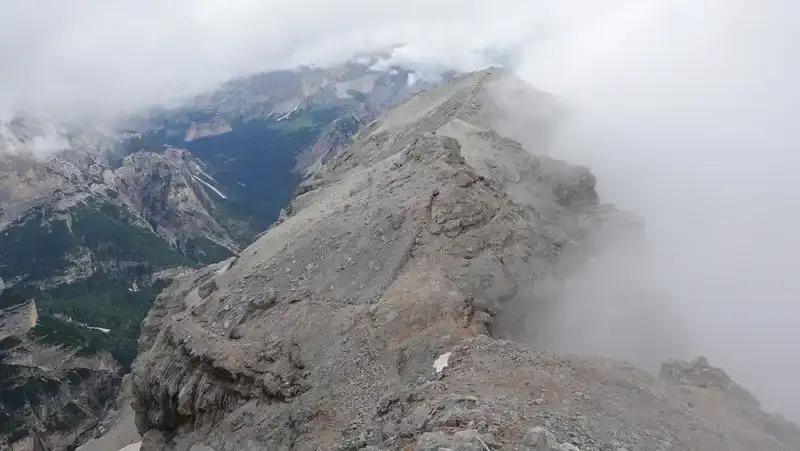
x: 205, y: 174
x: 219, y: 193
x: 101, y: 329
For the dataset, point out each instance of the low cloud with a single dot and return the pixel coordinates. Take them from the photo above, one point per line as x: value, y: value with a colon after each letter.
x: 686, y: 113
x: 109, y: 56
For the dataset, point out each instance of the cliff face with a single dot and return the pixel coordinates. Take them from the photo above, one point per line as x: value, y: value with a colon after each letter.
x: 45, y: 384
x: 91, y: 243
x: 213, y: 127
x: 176, y: 197
x: 365, y: 318
x: 333, y: 140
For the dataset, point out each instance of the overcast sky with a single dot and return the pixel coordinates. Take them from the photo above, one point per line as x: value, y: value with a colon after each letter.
x: 686, y: 110
x: 118, y: 53
x: 110, y: 54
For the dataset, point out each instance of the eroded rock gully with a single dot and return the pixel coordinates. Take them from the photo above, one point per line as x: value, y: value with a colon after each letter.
x: 322, y: 335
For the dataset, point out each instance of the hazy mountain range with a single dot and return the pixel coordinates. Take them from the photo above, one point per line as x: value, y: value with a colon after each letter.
x: 94, y: 222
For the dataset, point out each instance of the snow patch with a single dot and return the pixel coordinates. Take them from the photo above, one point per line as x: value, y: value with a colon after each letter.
x: 204, y: 173
x: 441, y: 363
x: 219, y: 193
x: 101, y: 329
x: 286, y: 115
x: 67, y: 319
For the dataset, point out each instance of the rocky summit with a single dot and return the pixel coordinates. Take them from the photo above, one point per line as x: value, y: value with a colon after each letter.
x: 368, y: 317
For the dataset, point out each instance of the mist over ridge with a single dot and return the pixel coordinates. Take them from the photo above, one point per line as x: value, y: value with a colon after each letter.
x: 684, y: 110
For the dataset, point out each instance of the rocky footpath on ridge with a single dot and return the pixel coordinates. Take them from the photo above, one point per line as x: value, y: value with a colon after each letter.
x: 366, y: 319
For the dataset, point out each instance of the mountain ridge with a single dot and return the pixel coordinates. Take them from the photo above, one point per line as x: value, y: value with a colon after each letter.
x: 97, y: 221
x: 369, y: 316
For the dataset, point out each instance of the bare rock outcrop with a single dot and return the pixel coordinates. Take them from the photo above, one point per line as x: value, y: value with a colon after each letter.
x: 47, y: 387
x: 706, y: 383
x: 331, y: 142
x: 364, y: 320
x: 213, y: 127
x: 699, y: 373
x: 117, y: 429
x: 171, y: 192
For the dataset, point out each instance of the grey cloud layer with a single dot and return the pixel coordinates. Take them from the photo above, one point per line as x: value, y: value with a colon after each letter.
x: 687, y: 113
x: 112, y: 54
x: 119, y: 54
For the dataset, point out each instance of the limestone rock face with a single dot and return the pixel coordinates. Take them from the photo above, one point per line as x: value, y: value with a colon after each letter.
x: 173, y: 193
x: 48, y: 386
x: 699, y: 373
x: 72, y: 221
x: 117, y: 431
x: 213, y: 127
x: 707, y: 383
x: 332, y: 141
x: 364, y: 319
